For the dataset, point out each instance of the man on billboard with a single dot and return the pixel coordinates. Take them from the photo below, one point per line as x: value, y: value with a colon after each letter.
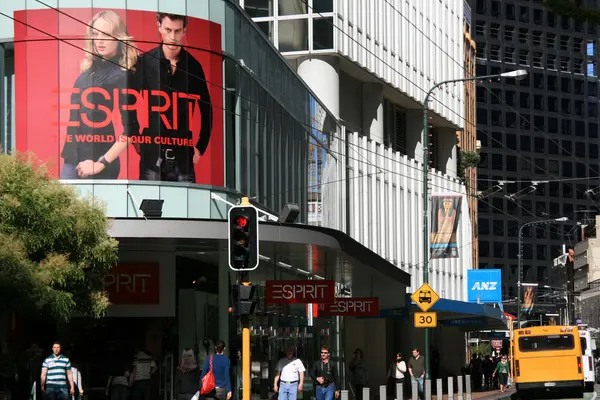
x: 169, y: 84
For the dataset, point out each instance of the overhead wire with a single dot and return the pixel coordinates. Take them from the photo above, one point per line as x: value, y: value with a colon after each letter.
x: 423, y: 90
x: 212, y: 83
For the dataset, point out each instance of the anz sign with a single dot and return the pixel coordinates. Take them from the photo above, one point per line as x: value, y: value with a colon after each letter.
x: 484, y: 285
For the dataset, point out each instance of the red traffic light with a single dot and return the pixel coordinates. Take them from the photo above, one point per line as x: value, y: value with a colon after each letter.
x: 242, y: 222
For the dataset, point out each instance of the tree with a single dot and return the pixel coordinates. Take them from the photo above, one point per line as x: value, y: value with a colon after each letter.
x: 54, y: 246
x: 574, y: 9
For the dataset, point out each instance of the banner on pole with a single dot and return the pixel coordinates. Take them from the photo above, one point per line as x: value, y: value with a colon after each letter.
x: 445, y: 213
x: 528, y: 302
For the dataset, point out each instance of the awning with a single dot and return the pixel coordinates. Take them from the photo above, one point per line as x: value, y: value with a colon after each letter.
x: 471, y: 316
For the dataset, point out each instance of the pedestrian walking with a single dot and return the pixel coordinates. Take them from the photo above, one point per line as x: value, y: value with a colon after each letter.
x: 359, y: 373
x: 325, y: 376
x: 396, y: 375
x: 57, y: 376
x: 141, y: 376
x: 503, y: 371
x: 77, y: 381
x: 289, y: 376
x: 416, y: 368
x: 188, y: 375
x: 221, y: 371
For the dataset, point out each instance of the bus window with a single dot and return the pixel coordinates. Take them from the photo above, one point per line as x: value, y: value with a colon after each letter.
x: 583, y: 345
x: 546, y: 343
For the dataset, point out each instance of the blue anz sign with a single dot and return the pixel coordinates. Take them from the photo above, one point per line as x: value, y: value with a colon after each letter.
x: 484, y: 285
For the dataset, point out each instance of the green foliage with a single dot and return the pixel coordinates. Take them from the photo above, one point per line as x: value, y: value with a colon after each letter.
x: 573, y: 9
x: 467, y: 159
x: 483, y: 349
x: 55, y: 249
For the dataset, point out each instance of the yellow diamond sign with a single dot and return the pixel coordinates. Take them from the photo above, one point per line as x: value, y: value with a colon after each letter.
x: 425, y: 297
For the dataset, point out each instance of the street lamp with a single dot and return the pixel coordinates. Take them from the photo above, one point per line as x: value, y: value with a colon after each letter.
x: 518, y: 74
x: 520, y: 257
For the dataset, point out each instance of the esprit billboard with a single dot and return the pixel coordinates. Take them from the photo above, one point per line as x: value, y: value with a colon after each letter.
x: 300, y: 291
x: 120, y: 94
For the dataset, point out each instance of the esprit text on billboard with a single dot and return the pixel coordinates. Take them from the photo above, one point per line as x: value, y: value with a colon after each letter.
x: 301, y: 291
x: 353, y: 307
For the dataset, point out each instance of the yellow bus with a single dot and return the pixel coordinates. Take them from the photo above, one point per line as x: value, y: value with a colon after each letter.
x: 547, y: 358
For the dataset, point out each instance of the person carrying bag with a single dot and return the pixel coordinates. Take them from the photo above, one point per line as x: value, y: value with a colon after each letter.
x: 208, y: 380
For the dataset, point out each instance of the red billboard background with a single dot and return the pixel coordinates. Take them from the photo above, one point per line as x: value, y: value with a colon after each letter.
x: 48, y: 51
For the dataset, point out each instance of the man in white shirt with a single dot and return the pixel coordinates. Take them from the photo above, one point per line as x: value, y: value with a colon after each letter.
x: 289, y: 378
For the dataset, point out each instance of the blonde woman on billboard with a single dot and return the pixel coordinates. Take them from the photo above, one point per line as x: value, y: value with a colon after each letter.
x: 106, y: 70
x: 177, y: 86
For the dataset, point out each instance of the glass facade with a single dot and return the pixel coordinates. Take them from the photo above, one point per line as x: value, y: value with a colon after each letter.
x: 544, y: 126
x: 275, y: 135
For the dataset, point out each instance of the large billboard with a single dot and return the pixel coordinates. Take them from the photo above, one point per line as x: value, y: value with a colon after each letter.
x: 120, y: 94
x: 484, y: 285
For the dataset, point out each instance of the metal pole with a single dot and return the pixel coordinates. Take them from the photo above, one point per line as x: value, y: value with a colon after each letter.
x: 245, y: 321
x: 519, y: 273
x: 425, y: 145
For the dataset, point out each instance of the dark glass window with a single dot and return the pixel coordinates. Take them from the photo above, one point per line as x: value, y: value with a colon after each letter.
x: 322, y: 6
x: 546, y: 342
x: 322, y: 32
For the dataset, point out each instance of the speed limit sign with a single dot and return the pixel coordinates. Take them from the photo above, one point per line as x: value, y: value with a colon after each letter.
x: 425, y: 320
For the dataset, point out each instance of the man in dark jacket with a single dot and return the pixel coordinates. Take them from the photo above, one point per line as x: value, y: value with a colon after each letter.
x: 325, y: 377
x: 171, y: 71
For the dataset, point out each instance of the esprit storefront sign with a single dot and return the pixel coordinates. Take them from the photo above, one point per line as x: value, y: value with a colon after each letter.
x: 133, y: 284
x: 352, y: 307
x: 300, y: 291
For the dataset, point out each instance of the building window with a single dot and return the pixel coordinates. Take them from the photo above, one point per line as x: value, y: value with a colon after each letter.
x: 293, y: 35
x: 524, y: 57
x: 395, y: 127
x: 523, y: 33
x: 537, y: 38
x: 292, y: 7
x: 322, y: 6
x: 495, y: 31
x: 550, y: 40
x: 509, y: 33
x: 509, y: 55
x: 322, y: 33
x: 259, y: 8
x: 495, y: 52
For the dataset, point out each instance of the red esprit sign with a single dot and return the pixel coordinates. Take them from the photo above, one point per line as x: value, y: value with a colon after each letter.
x: 301, y: 291
x: 353, y: 307
x: 133, y: 284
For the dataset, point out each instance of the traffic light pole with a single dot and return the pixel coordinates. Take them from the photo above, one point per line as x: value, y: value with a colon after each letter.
x: 245, y: 322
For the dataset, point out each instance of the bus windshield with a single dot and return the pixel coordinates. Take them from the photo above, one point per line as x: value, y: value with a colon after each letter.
x: 546, y: 343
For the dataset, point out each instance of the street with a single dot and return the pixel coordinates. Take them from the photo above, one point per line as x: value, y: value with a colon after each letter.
x: 587, y: 396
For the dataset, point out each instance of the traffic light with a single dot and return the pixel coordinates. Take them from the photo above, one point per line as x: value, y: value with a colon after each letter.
x: 243, y: 299
x: 243, y: 238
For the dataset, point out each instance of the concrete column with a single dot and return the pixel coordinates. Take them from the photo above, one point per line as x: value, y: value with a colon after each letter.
x: 321, y: 75
x: 447, y: 151
x: 223, y: 306
x: 414, y: 131
x: 372, y: 111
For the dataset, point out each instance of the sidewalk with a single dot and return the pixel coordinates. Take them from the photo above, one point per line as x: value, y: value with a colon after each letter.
x: 489, y: 395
